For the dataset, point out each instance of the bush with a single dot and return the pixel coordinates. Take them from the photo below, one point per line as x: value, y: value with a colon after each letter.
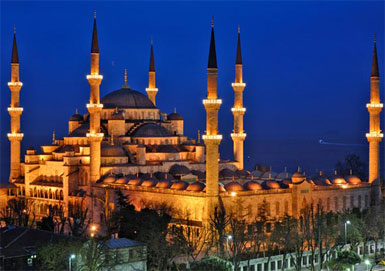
x: 211, y: 264
x: 345, y: 260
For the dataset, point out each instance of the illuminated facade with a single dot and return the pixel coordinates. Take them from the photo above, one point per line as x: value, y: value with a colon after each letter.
x: 125, y: 142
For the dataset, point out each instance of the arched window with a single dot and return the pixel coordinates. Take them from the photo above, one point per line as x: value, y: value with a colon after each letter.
x: 277, y: 209
x: 344, y: 203
x: 61, y: 195
x: 359, y: 201
x: 351, y: 201
x: 366, y: 200
x: 328, y: 204
x: 286, y: 207
x: 335, y: 204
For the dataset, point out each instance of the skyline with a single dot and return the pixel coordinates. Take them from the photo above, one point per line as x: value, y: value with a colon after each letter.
x: 262, y: 87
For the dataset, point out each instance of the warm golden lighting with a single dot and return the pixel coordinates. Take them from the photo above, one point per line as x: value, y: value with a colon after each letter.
x: 215, y: 137
x: 238, y: 135
x: 93, y: 228
x: 233, y: 194
x: 94, y: 105
x: 238, y: 109
x: 374, y: 105
x: 212, y: 101
x: 151, y: 90
x: 95, y: 76
x: 15, y: 135
x: 374, y: 135
x: 15, y: 109
x: 238, y: 84
x: 94, y: 134
x: 15, y: 84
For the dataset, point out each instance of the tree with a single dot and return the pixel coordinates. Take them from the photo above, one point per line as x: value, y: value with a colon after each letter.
x: 18, y: 212
x: 351, y: 165
x: 238, y: 230
x: 92, y: 255
x: 346, y: 259
x: 212, y: 264
x: 218, y: 222
x: 54, y: 254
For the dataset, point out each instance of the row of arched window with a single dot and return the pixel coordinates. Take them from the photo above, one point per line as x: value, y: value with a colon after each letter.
x: 46, y: 193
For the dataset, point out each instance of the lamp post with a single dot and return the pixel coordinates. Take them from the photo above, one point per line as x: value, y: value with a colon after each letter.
x: 228, y: 237
x: 346, y: 226
x: 72, y: 256
x: 367, y: 263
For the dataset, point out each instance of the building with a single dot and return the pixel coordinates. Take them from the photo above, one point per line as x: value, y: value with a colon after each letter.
x: 125, y: 142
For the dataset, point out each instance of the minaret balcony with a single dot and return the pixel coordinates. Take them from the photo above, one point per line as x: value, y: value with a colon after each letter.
x: 95, y: 136
x: 238, y: 85
x: 152, y: 90
x: 374, y: 135
x: 94, y: 76
x: 94, y: 108
x: 212, y: 139
x: 212, y: 101
x: 239, y: 136
x: 15, y: 111
x: 15, y: 136
x: 14, y: 84
x: 238, y: 109
x: 374, y: 108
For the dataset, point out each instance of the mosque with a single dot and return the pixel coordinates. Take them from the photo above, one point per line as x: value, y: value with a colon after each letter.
x: 125, y: 142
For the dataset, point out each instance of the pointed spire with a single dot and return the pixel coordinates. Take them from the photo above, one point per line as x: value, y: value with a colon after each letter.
x: 152, y: 62
x: 125, y: 85
x: 212, y: 53
x: 238, y: 59
x: 95, y: 45
x: 375, y: 72
x: 15, y: 56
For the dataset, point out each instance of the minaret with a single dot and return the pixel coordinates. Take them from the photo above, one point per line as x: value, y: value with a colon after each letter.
x: 238, y: 110
x: 151, y: 90
x: 212, y: 139
x: 94, y: 108
x: 374, y: 107
x: 15, y: 111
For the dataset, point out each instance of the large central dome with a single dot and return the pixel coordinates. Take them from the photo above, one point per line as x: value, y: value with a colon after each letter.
x: 126, y: 98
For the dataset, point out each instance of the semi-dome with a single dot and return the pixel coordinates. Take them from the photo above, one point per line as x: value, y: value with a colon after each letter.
x: 163, y: 184
x: 196, y: 186
x: 174, y: 116
x: 126, y: 98
x: 179, y: 170
x: 233, y: 187
x: 179, y: 185
x: 242, y: 173
x: 226, y: 173
x: 338, y: 180
x: 149, y: 183
x: 76, y: 117
x: 112, y: 151
x: 351, y: 179
x: 269, y: 184
x: 122, y: 180
x: 151, y: 130
x: 134, y: 182
x: 252, y: 186
x: 109, y: 179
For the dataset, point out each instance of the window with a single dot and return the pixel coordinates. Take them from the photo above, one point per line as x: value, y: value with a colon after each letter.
x: 277, y: 208
x: 268, y: 227
x: 352, y: 202
x: 359, y: 201
x: 366, y: 200
x: 272, y: 265
x: 259, y: 267
x: 131, y: 254
x: 304, y: 261
x: 279, y: 263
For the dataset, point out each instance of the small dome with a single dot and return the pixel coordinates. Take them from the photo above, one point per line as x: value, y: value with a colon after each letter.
x: 298, y: 177
x: 149, y: 183
x: 196, y: 186
x: 221, y: 188
x: 251, y: 185
x: 242, y: 173
x: 112, y: 150
x: 163, y: 175
x: 179, y: 185
x: 256, y: 173
x: 122, y: 180
x: 174, y: 116
x: 269, y: 184
x: 109, y: 179
x: 226, y: 173
x: 134, y: 182
x: 233, y: 187
x: 351, y: 179
x: 178, y: 170
x: 200, y: 175
x: 151, y: 130
x: 322, y: 181
x: 117, y: 116
x: 338, y: 180
x: 163, y: 184
x: 287, y: 182
x: 76, y: 117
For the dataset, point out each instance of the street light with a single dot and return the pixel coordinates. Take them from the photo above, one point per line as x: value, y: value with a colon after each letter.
x: 346, y: 225
x: 72, y: 256
x: 228, y: 237
x: 367, y: 262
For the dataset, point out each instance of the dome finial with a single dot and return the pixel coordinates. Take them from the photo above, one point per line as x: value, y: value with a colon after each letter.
x: 212, y: 22
x: 199, y: 136
x: 151, y: 40
x: 174, y: 109
x: 76, y: 111
x: 14, y: 29
x: 375, y: 38
x: 95, y: 13
x: 239, y: 29
x: 125, y: 85
x: 53, y: 137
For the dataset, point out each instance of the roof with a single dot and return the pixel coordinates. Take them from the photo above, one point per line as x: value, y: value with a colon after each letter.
x: 126, y: 98
x: 94, y: 44
x: 151, y: 130
x: 76, y: 117
x: 109, y: 150
x: 152, y: 62
x: 15, y: 56
x: 123, y: 243
x: 212, y: 53
x: 375, y: 72
x: 238, y: 59
x: 7, y: 185
x: 81, y: 131
x: 174, y: 116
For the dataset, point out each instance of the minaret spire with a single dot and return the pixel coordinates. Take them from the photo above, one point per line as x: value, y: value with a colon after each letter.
x: 95, y: 44
x: 15, y: 136
x: 375, y: 72
x: 212, y: 64
x: 238, y: 136
x: 151, y: 89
